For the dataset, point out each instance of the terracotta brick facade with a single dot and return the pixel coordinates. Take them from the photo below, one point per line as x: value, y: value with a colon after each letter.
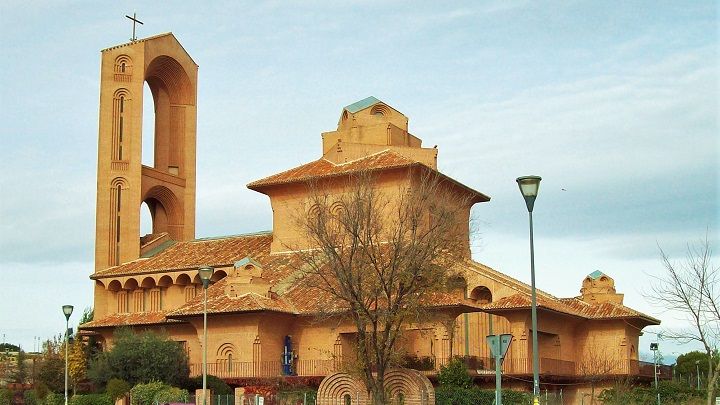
x: 255, y: 301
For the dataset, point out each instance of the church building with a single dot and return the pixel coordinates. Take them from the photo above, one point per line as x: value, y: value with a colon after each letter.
x: 262, y: 321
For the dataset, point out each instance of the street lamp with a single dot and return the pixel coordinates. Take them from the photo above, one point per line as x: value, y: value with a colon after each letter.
x: 654, y: 348
x: 205, y: 274
x: 67, y: 310
x: 529, y: 186
x: 697, y: 373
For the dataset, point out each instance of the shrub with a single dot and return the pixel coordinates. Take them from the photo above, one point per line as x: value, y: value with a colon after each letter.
x: 454, y: 374
x: 297, y: 396
x: 671, y: 392
x: 54, y: 399
x: 171, y: 394
x: 145, y: 393
x: 213, y: 383
x: 5, y: 396
x: 141, y: 358
x: 91, y: 399
x: 450, y: 395
x: 117, y: 388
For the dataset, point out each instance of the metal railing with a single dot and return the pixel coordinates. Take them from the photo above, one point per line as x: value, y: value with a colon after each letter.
x: 428, y: 366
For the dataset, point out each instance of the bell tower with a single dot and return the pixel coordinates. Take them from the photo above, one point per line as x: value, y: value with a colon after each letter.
x: 123, y: 182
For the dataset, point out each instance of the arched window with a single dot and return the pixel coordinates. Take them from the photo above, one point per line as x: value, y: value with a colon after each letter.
x: 116, y: 198
x: 347, y: 399
x: 481, y: 295
x: 121, y: 99
x: 123, y: 68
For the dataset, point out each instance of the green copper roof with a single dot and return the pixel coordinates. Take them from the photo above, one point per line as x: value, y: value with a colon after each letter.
x: 245, y: 261
x: 362, y: 104
x: 596, y: 274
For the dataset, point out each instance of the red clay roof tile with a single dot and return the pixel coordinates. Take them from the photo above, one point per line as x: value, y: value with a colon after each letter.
x: 218, y: 252
x: 126, y: 319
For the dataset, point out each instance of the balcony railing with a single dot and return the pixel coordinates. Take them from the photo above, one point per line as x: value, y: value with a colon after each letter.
x: 430, y: 366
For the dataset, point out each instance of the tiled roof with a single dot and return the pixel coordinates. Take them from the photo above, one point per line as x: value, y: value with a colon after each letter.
x: 222, y: 304
x: 324, y: 168
x: 216, y: 252
x: 321, y: 168
x: 570, y: 306
x: 275, y: 270
x: 135, y: 318
x: 605, y: 310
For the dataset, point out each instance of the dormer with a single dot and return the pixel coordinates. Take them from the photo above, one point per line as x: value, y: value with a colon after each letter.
x: 370, y: 126
x: 598, y: 287
x: 246, y: 277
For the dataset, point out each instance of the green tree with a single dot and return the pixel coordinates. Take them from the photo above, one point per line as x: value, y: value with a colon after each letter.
x: 141, y: 358
x: 692, y: 362
x: 454, y: 374
x: 9, y: 347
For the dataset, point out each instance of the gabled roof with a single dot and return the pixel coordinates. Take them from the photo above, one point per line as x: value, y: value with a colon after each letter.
x: 362, y: 104
x: 385, y: 159
x: 323, y: 168
x: 150, y: 38
x: 569, y: 306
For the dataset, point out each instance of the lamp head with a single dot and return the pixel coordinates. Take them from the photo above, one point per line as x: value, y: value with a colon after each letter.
x: 67, y: 310
x: 205, y: 273
x: 529, y: 186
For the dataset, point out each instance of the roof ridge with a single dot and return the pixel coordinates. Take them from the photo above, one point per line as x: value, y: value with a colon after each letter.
x: 510, y: 279
x: 372, y: 155
x: 249, y: 185
x: 235, y: 236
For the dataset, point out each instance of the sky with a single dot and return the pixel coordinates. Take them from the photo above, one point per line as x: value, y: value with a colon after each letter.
x: 614, y: 104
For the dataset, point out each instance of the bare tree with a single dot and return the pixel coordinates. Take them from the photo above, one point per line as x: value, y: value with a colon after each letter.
x: 381, y: 258
x: 691, y: 288
x: 597, y: 365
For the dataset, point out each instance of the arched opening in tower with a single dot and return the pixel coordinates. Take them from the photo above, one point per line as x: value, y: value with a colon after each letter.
x: 148, y: 127
x: 146, y: 221
x: 171, y: 92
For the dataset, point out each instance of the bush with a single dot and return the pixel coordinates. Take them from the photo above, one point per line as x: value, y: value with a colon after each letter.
x: 297, y: 396
x: 31, y: 398
x: 91, y: 399
x: 145, y: 393
x: 141, y: 358
x: 117, y: 388
x: 671, y: 392
x: 213, y: 383
x: 450, y: 395
x: 171, y: 394
x: 157, y: 392
x: 5, y: 396
x: 454, y: 374
x: 54, y: 399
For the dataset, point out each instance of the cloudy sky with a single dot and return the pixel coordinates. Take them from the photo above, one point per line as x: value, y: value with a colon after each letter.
x: 614, y: 104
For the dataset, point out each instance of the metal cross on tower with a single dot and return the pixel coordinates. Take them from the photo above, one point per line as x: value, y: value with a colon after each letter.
x: 135, y: 21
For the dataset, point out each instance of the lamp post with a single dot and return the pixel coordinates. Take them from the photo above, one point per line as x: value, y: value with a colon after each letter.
x: 205, y: 274
x: 67, y: 311
x: 654, y: 348
x: 697, y: 373
x: 529, y: 186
